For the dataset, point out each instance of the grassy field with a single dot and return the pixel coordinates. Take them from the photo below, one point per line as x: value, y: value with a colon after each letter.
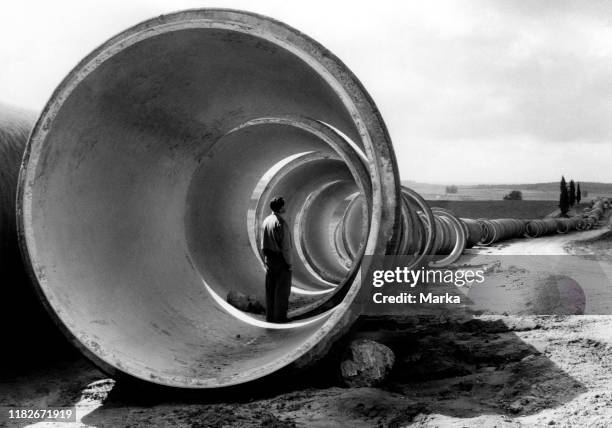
x: 532, y: 192
x: 498, y: 209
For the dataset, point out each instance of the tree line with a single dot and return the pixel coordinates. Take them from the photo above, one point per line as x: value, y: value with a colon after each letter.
x: 569, y: 195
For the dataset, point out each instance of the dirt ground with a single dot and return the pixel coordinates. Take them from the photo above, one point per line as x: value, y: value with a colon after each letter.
x: 489, y: 370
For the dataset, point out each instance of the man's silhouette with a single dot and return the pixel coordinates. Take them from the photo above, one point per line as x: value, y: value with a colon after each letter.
x: 276, y: 247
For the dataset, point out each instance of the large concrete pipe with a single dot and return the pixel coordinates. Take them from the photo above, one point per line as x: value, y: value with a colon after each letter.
x: 537, y: 228
x: 451, y: 237
x: 417, y: 228
x: 565, y: 225
x: 598, y: 208
x: 15, y: 126
x: 497, y: 230
x: 25, y: 323
x: 149, y: 169
x: 474, y: 231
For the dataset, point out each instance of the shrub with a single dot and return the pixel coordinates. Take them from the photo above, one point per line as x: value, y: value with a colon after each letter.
x: 515, y: 195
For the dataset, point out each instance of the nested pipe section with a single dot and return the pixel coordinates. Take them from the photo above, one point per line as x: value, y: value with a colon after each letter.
x: 341, y: 229
x: 590, y: 222
x: 537, y: 228
x: 316, y: 184
x: 589, y: 218
x: 451, y: 237
x: 427, y: 232
x: 152, y: 165
x: 474, y: 231
x: 346, y: 234
x: 565, y: 225
x: 315, y: 243
x: 442, y: 233
x: 295, y: 181
x: 497, y: 230
x: 596, y: 211
x: 417, y: 228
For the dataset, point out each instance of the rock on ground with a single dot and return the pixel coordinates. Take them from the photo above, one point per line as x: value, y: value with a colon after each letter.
x: 369, y: 364
x: 245, y: 303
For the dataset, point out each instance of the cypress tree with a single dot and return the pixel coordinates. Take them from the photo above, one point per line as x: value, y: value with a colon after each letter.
x: 578, y: 194
x: 563, y: 198
x: 572, y: 193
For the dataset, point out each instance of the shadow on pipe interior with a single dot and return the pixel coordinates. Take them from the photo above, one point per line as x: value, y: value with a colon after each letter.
x: 150, y: 170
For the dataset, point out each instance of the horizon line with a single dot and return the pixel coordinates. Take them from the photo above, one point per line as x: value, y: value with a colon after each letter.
x: 501, y: 183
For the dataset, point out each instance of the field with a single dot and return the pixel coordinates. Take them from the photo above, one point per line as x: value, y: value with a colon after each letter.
x: 483, y: 192
x: 486, y: 201
x: 497, y: 209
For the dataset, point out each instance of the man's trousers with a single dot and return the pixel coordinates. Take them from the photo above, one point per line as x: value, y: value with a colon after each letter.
x: 278, y: 287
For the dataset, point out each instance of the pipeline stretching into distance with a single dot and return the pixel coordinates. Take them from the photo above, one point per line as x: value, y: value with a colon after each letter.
x: 452, y: 241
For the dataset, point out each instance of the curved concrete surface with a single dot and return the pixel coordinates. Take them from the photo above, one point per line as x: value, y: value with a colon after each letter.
x: 138, y: 185
x: 15, y: 126
x: 22, y: 318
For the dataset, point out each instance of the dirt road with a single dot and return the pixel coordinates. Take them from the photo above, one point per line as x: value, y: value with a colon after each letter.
x: 551, y: 275
x: 545, y: 245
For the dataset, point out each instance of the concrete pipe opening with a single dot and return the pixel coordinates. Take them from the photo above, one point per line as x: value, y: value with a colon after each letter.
x: 149, y: 170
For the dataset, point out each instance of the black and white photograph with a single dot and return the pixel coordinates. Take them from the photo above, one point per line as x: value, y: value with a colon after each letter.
x: 232, y: 213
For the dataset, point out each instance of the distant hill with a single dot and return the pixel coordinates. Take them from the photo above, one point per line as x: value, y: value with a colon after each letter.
x: 531, y: 191
x: 591, y: 187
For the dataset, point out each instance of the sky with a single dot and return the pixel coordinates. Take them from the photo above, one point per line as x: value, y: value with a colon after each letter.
x: 472, y: 91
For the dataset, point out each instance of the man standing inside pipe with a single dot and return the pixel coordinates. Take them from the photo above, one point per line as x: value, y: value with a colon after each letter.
x: 276, y: 247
